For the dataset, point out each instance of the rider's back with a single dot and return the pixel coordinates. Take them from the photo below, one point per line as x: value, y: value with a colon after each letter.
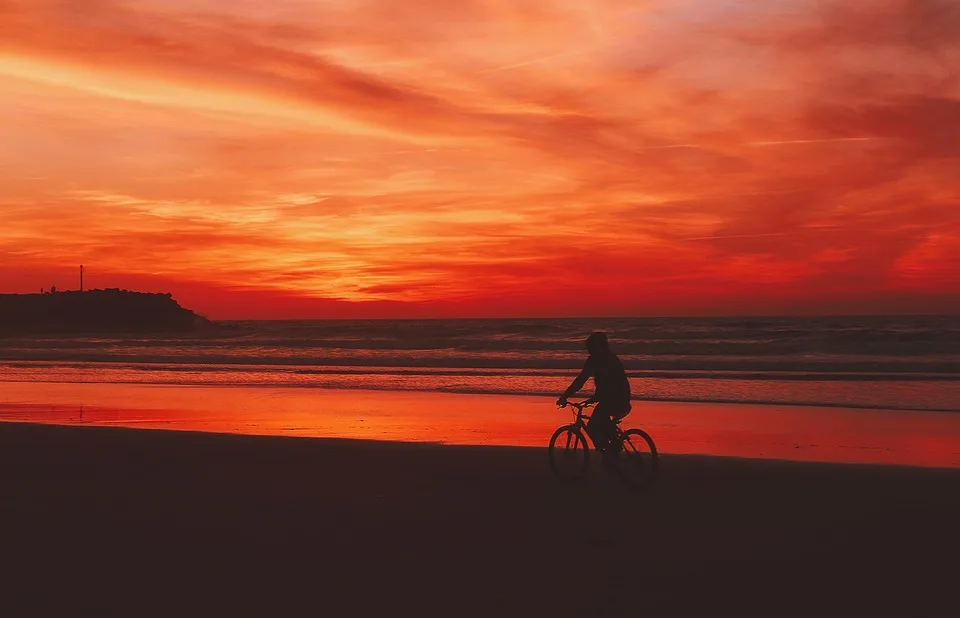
x: 610, y: 378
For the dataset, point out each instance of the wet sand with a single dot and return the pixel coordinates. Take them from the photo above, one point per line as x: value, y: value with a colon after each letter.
x: 125, y: 522
x: 753, y: 431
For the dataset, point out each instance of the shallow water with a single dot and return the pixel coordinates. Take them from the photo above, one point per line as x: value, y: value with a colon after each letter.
x: 757, y: 431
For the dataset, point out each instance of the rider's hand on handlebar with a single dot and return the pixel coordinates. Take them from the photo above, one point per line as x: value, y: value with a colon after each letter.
x: 562, y: 402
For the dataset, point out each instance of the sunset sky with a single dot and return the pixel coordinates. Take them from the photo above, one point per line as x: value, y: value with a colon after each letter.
x: 378, y: 158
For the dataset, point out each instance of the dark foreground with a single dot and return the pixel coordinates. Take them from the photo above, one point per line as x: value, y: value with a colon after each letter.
x: 119, y: 522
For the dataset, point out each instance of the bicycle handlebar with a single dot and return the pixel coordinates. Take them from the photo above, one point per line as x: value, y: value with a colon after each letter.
x: 580, y: 405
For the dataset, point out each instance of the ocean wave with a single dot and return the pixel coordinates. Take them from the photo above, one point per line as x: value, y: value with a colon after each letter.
x: 902, y: 336
x: 913, y: 345
x: 891, y: 362
x: 906, y: 391
x: 367, y: 360
x: 675, y: 374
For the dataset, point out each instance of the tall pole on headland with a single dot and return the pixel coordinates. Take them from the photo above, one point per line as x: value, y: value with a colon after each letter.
x: 81, y: 277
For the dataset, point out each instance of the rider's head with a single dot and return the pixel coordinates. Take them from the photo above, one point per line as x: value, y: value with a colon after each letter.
x: 597, y: 343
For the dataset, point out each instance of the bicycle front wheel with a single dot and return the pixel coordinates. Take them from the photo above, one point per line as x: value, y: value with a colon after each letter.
x: 569, y: 454
x: 637, y: 459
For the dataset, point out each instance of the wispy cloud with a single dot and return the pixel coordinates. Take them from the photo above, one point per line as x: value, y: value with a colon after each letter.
x: 502, y: 155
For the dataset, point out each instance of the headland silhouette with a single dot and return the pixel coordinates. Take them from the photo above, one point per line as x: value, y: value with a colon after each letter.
x: 107, y: 311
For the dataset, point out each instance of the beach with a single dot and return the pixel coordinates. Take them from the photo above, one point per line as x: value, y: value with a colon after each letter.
x: 115, y: 521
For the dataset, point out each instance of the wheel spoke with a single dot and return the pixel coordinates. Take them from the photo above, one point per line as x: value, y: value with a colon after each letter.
x: 637, y: 462
x: 568, y: 453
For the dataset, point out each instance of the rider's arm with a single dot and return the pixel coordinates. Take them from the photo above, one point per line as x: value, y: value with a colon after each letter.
x: 579, y: 381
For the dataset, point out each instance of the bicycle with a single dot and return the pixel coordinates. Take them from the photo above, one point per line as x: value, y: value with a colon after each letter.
x: 636, y: 460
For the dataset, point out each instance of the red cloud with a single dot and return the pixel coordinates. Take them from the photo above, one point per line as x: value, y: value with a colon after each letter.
x: 489, y: 158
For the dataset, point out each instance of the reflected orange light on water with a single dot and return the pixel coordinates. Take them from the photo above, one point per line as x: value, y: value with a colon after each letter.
x: 775, y: 432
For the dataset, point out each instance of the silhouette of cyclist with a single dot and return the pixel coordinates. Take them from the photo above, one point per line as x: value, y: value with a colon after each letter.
x: 612, y: 391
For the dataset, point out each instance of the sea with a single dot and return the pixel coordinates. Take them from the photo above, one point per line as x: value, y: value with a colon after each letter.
x: 901, y: 363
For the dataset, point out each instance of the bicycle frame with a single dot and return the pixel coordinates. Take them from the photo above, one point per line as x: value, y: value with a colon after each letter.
x: 634, y: 450
x: 580, y: 417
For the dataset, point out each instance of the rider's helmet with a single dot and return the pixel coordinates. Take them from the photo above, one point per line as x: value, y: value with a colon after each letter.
x: 597, y: 343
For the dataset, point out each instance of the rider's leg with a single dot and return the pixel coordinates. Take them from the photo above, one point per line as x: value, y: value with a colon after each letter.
x: 600, y: 427
x: 618, y: 412
x: 596, y: 429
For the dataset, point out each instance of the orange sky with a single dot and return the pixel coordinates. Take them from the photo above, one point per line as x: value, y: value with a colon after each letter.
x: 289, y: 158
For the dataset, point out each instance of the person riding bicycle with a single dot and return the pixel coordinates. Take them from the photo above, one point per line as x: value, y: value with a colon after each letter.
x: 612, y: 391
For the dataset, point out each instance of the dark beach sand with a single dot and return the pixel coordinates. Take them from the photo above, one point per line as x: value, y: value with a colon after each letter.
x: 124, y: 522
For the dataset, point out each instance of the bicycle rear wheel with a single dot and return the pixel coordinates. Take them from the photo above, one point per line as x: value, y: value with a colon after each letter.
x: 569, y: 454
x: 637, y: 459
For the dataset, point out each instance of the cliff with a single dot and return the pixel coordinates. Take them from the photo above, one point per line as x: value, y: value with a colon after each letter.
x: 94, y: 312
